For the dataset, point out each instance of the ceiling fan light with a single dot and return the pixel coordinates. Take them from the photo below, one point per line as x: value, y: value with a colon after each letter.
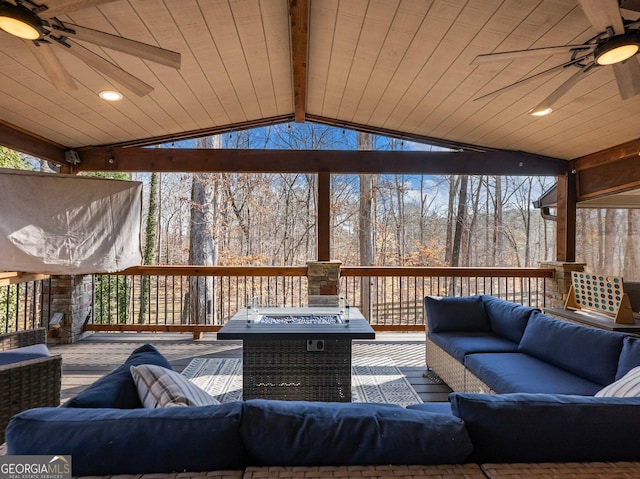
x: 617, y: 49
x: 540, y: 111
x: 20, y: 22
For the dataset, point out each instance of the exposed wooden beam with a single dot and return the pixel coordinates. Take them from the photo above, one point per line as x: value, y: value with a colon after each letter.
x: 566, y: 218
x: 609, y: 171
x: 313, y: 161
x: 299, y: 18
x: 20, y: 140
x: 610, y: 155
x: 324, y: 216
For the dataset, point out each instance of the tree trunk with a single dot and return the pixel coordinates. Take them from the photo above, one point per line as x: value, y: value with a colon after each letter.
x: 365, y: 227
x: 149, y: 254
x: 461, y: 221
x: 203, y: 247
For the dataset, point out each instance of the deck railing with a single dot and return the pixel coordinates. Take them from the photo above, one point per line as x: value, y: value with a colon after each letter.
x: 174, y: 297
x: 24, y: 300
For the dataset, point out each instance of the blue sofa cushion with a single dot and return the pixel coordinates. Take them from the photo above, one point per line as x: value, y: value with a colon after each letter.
x: 507, y: 319
x: 117, y: 389
x: 25, y: 353
x: 433, y: 407
x: 518, y: 372
x: 629, y: 357
x: 588, y: 352
x: 464, y: 313
x: 459, y: 344
x: 299, y: 433
x: 549, y: 428
x: 133, y: 441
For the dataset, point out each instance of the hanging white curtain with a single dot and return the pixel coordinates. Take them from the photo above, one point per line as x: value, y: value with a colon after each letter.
x: 65, y: 224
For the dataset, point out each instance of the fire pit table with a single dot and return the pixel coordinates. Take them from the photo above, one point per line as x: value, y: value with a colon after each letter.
x: 297, y: 353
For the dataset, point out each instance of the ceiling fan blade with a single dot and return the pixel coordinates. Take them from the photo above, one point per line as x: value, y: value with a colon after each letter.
x: 107, y: 68
x: 53, y: 67
x: 603, y: 14
x: 524, y: 80
x: 628, y: 77
x: 60, y: 7
x: 126, y: 45
x: 559, y: 92
x: 532, y: 52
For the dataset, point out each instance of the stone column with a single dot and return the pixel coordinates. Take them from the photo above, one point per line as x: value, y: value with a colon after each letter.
x: 557, y: 288
x: 323, y: 282
x: 71, y: 296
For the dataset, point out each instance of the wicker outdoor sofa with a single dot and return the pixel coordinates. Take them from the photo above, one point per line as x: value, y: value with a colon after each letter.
x: 28, y: 383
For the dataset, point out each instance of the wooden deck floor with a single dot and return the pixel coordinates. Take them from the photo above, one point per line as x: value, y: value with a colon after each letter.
x: 93, y: 357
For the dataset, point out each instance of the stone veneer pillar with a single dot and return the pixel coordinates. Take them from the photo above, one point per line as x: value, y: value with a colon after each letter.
x: 72, y: 296
x: 557, y: 288
x: 323, y: 282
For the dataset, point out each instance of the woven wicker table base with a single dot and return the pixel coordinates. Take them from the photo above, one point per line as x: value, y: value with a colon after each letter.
x: 582, y: 470
x: 462, y: 471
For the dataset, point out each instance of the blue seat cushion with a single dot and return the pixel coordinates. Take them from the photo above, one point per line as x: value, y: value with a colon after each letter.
x: 518, y: 372
x: 507, y: 319
x: 587, y: 352
x: 133, y: 441
x: 459, y: 344
x: 299, y: 433
x: 629, y: 357
x: 465, y: 313
x: 433, y: 407
x: 549, y: 428
x: 117, y: 389
x: 25, y: 353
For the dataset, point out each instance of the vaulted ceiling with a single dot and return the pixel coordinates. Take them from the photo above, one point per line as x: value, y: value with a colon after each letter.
x: 401, y: 67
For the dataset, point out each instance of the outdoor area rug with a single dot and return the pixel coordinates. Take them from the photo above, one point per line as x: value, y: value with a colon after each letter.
x: 373, y: 379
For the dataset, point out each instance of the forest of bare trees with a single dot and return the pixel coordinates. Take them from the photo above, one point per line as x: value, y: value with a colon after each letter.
x: 383, y: 220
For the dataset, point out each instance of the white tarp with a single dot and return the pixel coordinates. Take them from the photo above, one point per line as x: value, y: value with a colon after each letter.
x: 65, y: 224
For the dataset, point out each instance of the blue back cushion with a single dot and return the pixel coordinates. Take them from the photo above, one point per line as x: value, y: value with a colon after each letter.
x: 587, y: 352
x: 109, y: 442
x: 465, y: 313
x: 298, y: 433
x: 549, y: 428
x: 117, y: 389
x: 507, y: 319
x: 629, y: 357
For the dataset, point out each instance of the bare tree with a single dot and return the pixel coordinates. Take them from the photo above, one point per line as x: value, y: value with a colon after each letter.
x: 203, y: 247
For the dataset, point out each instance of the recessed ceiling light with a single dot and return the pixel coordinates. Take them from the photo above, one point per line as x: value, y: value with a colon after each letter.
x: 110, y: 95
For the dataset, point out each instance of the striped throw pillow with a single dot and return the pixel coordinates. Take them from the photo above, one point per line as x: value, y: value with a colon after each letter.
x: 162, y: 387
x: 627, y: 386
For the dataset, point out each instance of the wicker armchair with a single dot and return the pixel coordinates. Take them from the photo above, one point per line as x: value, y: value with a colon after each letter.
x: 27, y: 384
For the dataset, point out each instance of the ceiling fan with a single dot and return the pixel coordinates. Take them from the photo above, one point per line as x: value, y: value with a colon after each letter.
x: 39, y: 25
x: 616, y: 45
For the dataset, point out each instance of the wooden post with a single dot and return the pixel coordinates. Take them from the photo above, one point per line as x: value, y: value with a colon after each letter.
x: 566, y: 224
x: 324, y: 216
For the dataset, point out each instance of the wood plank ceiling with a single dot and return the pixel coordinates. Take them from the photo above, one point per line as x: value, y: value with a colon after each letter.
x: 398, y: 66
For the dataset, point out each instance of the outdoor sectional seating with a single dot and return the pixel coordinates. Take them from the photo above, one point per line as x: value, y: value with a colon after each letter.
x: 485, y: 344
x: 107, y: 432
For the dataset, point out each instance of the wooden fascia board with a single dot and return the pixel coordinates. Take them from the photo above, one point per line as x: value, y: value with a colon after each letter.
x: 25, y: 142
x: 609, y: 171
x: 312, y: 161
x: 299, y: 25
x: 376, y: 130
